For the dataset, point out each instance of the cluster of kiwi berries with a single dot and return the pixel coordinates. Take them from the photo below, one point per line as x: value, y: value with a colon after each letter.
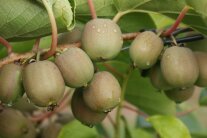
x: 44, y: 81
x: 175, y: 69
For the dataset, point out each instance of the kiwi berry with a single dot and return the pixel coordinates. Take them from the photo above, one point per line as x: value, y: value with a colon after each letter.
x: 145, y: 49
x: 43, y: 83
x: 14, y: 125
x: 11, y: 87
x: 179, y: 67
x: 82, y: 112
x: 76, y: 67
x: 180, y: 94
x: 73, y: 36
x: 103, y: 93
x: 102, y: 39
x: 157, y: 79
x: 202, y: 64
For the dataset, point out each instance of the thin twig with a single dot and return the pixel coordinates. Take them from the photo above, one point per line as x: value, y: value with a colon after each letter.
x: 177, y: 22
x: 130, y: 36
x: 54, y: 30
x: 180, y: 114
x: 112, y: 69
x: 92, y: 9
x: 135, y: 110
x: 15, y: 57
x: 6, y: 44
x: 63, y: 104
x: 111, y: 120
x: 36, y: 45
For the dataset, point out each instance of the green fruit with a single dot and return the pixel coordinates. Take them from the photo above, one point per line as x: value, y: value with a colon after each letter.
x: 14, y: 125
x: 82, y: 112
x: 103, y: 93
x: 157, y: 79
x: 75, y: 66
x: 179, y: 67
x: 102, y: 39
x: 202, y: 64
x: 43, y: 83
x: 145, y: 49
x: 51, y: 131
x: 180, y: 95
x: 70, y: 37
x: 24, y: 106
x: 11, y: 88
x: 198, y: 45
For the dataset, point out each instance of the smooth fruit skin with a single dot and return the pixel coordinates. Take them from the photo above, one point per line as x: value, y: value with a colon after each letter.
x: 82, y: 112
x: 43, y: 83
x: 103, y: 93
x: 51, y: 131
x: 102, y: 39
x: 201, y: 58
x: 76, y: 67
x: 14, y: 125
x: 180, y: 95
x: 179, y: 67
x: 70, y: 37
x: 145, y: 50
x: 157, y: 79
x: 11, y: 87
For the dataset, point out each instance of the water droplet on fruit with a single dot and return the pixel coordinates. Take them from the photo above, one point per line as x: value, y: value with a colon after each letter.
x: 98, y: 30
x: 88, y: 125
x: 10, y: 104
x: 148, y: 63
x: 108, y: 110
x: 115, y: 30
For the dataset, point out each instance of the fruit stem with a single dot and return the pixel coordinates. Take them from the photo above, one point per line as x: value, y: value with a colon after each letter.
x: 130, y: 36
x: 177, y: 22
x: 113, y: 70
x: 118, y: 113
x: 54, y: 30
x: 6, y: 44
x: 118, y: 16
x: 92, y: 9
x: 14, y: 56
x: 36, y: 45
x: 137, y: 111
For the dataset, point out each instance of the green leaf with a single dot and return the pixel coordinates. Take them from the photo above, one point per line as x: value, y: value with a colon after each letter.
x: 141, y: 93
x: 26, y: 19
x: 141, y: 133
x: 169, y: 127
x: 123, y: 5
x: 203, y: 97
x: 77, y: 130
x: 195, y: 125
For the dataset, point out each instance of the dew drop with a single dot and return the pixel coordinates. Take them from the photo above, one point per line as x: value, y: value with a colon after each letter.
x: 108, y: 110
x: 9, y: 104
x: 88, y: 125
x: 148, y: 63
x: 98, y: 30
x: 115, y: 30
